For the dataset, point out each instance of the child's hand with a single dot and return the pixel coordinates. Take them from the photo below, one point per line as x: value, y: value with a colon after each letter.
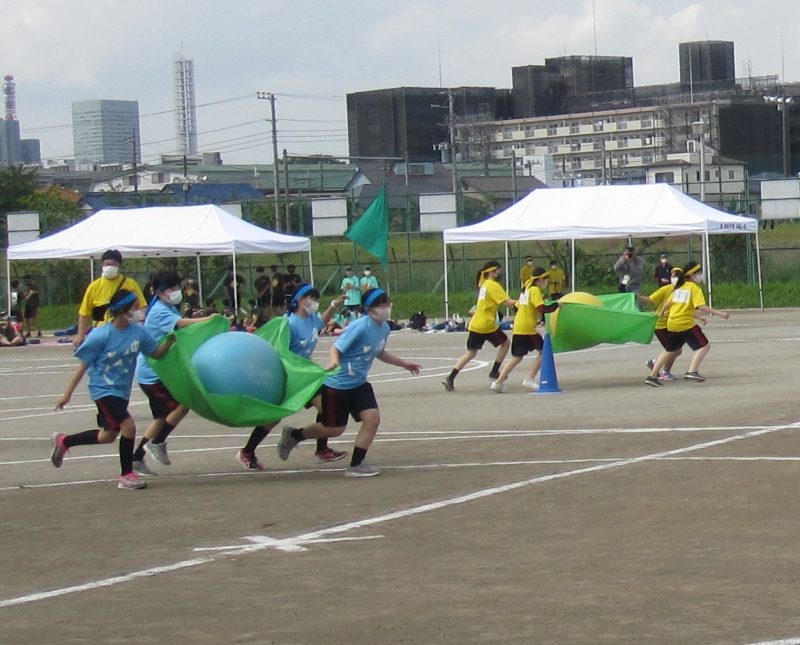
x: 724, y: 314
x: 62, y: 401
x: 414, y: 368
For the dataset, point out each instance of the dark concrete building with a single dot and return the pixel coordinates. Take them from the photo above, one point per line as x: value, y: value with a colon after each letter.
x: 707, y: 62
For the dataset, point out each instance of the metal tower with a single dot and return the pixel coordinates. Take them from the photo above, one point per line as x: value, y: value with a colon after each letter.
x: 10, y: 97
x: 185, y: 106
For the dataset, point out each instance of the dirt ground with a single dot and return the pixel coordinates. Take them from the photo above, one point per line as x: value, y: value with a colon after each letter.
x: 610, y: 512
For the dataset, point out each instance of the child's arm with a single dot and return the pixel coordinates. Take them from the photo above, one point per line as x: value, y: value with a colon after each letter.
x: 714, y: 312
x: 391, y: 359
x: 334, y: 358
x: 163, y: 348
x: 73, y: 383
x: 335, y: 304
x: 183, y: 322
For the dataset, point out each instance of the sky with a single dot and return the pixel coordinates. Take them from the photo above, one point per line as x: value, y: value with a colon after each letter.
x: 311, y: 53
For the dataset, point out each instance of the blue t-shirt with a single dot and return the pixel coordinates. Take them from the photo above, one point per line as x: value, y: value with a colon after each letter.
x: 161, y: 320
x: 111, y: 354
x: 304, y: 333
x: 351, y: 286
x: 360, y: 342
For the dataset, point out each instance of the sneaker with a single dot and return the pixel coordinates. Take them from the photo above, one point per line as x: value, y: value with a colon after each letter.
x: 530, y: 384
x: 329, y: 454
x: 158, y: 451
x: 362, y: 470
x: 130, y: 482
x: 141, y: 468
x: 286, y: 443
x: 59, y: 449
x: 500, y: 388
x: 494, y: 374
x: 651, y: 363
x: 666, y: 376
x: 693, y: 376
x: 249, y: 460
x: 448, y: 384
x: 653, y: 382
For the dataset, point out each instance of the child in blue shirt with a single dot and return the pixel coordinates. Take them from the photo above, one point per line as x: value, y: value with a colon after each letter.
x: 163, y: 317
x: 109, y: 355
x: 305, y: 323
x: 347, y: 392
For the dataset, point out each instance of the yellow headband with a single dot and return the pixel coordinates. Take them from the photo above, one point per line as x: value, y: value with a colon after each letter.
x: 694, y: 269
x: 491, y: 268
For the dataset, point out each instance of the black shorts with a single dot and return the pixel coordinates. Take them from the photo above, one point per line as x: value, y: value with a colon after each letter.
x: 161, y: 400
x: 310, y: 403
x: 662, y: 335
x: 337, y: 405
x: 111, y: 412
x: 278, y: 301
x: 694, y: 338
x: 524, y: 344
x: 476, y: 340
x: 31, y: 311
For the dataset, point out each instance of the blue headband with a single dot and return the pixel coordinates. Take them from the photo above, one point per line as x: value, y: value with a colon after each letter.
x: 121, y: 304
x: 303, y: 290
x: 377, y: 293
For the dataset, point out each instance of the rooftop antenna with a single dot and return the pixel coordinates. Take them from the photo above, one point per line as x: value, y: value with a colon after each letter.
x: 439, y: 51
x: 783, y: 61
x: 594, y: 26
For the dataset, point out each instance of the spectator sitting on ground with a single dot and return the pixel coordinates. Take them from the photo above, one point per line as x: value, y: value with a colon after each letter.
x: 11, y: 333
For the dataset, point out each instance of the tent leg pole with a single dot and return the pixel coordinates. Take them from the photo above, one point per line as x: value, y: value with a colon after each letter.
x: 758, y: 266
x: 310, y: 267
x: 446, y: 299
x: 199, y: 280
x: 572, y: 271
x: 707, y: 266
x: 235, y: 303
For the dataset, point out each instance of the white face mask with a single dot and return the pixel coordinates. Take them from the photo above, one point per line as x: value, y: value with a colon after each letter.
x: 699, y: 277
x: 382, y: 314
x: 175, y: 297
x: 136, y: 316
x: 110, y: 271
x: 312, y: 307
x: 674, y: 280
x: 367, y: 273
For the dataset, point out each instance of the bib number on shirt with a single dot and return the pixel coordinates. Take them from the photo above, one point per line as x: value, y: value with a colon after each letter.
x: 524, y: 298
x: 482, y: 293
x: 681, y: 296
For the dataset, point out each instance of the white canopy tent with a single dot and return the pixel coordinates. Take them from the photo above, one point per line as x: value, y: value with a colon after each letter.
x: 649, y: 210
x: 161, y: 231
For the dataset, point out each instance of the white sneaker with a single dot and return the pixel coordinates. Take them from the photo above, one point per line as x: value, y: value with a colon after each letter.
x: 130, y: 482
x: 362, y: 470
x: 158, y: 451
x: 499, y: 388
x: 141, y: 468
x: 530, y: 384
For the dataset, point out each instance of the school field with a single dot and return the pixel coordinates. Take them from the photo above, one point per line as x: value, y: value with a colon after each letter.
x: 610, y: 512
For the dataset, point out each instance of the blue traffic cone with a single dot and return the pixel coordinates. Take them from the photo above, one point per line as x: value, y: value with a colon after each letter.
x: 548, y: 379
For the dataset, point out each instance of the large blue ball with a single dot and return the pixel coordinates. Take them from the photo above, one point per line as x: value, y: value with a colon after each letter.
x: 236, y: 362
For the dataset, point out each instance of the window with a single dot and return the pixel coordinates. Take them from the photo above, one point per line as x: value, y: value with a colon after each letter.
x: 731, y: 174
x: 665, y: 177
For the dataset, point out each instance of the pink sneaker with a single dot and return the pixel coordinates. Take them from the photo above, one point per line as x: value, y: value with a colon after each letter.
x: 249, y: 460
x: 130, y: 481
x: 59, y: 449
x: 329, y: 454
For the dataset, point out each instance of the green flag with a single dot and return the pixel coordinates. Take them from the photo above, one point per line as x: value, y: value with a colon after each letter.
x: 371, y: 231
x: 177, y: 372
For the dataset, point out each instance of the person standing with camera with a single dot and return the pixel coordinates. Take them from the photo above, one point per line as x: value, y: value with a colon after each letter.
x: 94, y: 306
x: 629, y: 269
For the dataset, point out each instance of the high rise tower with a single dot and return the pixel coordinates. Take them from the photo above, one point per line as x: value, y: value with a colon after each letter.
x: 185, y: 107
x: 10, y: 151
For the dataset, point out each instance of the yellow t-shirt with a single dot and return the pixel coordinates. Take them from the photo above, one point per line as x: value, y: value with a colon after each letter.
x: 659, y: 297
x: 525, y: 274
x: 527, y: 311
x: 557, y: 278
x: 100, y: 291
x: 685, y: 302
x: 490, y: 296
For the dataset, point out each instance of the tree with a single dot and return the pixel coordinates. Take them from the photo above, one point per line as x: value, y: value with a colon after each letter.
x: 16, y: 183
x: 55, y: 212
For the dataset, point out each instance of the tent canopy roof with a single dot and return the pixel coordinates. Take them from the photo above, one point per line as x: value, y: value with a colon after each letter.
x: 648, y: 210
x: 159, y: 231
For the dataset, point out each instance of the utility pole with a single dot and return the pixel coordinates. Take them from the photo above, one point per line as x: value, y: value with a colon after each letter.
x: 286, y: 182
x: 275, y: 178
x: 452, y: 109
x: 185, y: 182
x: 513, y: 175
x: 135, y: 171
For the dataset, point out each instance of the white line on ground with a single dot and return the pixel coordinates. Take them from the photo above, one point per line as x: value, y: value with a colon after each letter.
x: 294, y: 542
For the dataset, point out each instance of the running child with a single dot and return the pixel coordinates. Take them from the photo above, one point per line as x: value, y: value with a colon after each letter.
x: 163, y: 317
x: 347, y: 392
x: 484, y: 324
x: 305, y: 323
x: 109, y: 356
x: 525, y: 338
x: 686, y: 300
x: 658, y: 298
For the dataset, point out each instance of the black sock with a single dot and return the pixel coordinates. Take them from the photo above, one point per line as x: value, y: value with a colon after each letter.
x: 256, y: 437
x: 126, y: 454
x: 164, y: 432
x: 322, y: 444
x: 138, y: 454
x: 495, y: 368
x: 86, y: 438
x: 453, y: 374
x: 297, y: 434
x: 358, y: 456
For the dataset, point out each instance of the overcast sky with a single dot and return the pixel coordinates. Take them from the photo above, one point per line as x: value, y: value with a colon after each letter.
x: 312, y: 53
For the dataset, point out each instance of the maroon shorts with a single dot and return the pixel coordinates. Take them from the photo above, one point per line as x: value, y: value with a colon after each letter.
x: 662, y: 335
x: 524, y: 344
x: 161, y: 401
x: 475, y: 340
x: 111, y: 412
x: 694, y: 338
x: 337, y: 405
